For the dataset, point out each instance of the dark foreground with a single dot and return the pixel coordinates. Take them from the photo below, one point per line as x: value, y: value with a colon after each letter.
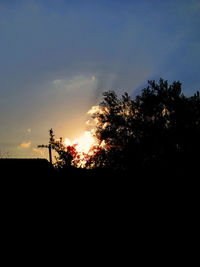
x: 42, y: 169
x: 33, y: 190
x: 44, y: 209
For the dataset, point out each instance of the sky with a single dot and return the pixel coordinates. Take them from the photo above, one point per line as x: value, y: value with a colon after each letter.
x: 57, y: 57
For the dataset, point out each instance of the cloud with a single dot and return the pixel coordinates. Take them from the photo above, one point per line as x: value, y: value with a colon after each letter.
x: 29, y: 130
x: 75, y: 90
x: 74, y: 83
x: 57, y: 81
x: 25, y: 145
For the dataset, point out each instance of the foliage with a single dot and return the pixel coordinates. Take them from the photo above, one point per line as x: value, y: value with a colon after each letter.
x: 66, y: 155
x: 159, y: 128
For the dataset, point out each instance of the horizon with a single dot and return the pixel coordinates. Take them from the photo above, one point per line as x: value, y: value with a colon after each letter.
x: 57, y: 57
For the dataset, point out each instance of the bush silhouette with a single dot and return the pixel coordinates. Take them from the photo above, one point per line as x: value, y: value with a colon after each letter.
x: 157, y: 131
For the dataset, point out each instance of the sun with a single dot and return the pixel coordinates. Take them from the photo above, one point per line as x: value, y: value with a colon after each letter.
x: 83, y: 144
x: 86, y: 145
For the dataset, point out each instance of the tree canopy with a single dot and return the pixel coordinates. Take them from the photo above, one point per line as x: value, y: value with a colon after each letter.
x: 158, y: 129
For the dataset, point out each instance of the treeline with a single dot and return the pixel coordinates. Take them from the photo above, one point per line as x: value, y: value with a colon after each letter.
x: 157, y: 132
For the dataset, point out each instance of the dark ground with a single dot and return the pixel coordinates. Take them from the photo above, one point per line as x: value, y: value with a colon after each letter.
x: 39, y: 175
x: 78, y: 202
x: 42, y: 169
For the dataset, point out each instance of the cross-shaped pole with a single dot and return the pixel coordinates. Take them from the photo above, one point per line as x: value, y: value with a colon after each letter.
x: 49, y: 145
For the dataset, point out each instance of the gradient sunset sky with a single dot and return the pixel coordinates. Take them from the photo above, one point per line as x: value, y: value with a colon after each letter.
x: 58, y: 56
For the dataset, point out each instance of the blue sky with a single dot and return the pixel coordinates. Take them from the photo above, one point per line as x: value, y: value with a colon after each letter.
x: 57, y: 57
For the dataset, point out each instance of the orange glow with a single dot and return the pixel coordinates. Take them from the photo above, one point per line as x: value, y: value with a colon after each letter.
x: 83, y: 144
x: 93, y: 110
x: 97, y: 109
x: 86, y: 145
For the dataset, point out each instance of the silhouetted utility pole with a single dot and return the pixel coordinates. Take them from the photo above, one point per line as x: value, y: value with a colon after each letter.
x: 49, y: 145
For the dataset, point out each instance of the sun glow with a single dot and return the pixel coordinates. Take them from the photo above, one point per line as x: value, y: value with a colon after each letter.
x: 83, y: 144
x: 86, y: 145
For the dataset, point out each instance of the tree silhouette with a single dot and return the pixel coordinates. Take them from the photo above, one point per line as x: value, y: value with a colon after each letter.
x: 66, y: 154
x: 159, y: 129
